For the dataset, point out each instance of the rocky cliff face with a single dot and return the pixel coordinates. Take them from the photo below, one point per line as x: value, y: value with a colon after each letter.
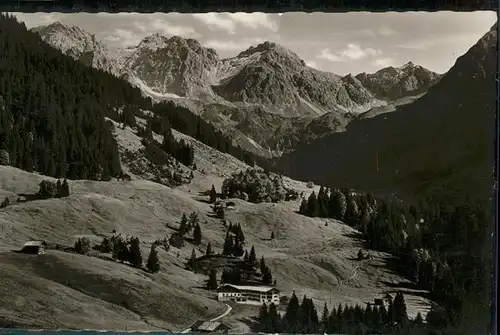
x: 273, y: 76
x: 393, y: 83
x: 80, y: 45
x: 172, y: 65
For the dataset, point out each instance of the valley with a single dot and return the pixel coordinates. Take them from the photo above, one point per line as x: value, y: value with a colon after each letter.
x: 307, y: 256
x: 158, y: 171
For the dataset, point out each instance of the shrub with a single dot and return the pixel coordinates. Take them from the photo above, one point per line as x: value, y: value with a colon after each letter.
x: 83, y: 246
x: 256, y: 186
x: 4, y: 157
x: 48, y: 189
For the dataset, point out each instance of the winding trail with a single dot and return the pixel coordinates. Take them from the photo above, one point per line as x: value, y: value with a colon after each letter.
x: 229, y: 309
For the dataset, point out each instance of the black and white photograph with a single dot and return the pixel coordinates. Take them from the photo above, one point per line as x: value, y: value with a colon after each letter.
x: 235, y: 173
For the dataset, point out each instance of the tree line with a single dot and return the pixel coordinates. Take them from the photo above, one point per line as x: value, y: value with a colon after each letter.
x: 442, y: 247
x: 123, y: 250
x: 303, y: 318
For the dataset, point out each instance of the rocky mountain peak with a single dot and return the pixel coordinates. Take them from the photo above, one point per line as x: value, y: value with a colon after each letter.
x: 153, y: 42
x: 393, y: 83
x: 79, y: 44
x: 175, y: 65
x: 408, y: 65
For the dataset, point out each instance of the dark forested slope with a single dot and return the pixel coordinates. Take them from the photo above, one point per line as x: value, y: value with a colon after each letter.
x: 52, y: 108
x: 442, y: 141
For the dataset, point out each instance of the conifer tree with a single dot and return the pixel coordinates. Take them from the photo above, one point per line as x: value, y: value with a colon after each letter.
x: 192, y: 259
x: 197, y: 234
x: 183, y: 225
x: 303, y: 207
x: 292, y: 314
x: 65, y: 188
x: 135, y: 253
x: 213, y: 194
x: 227, y: 248
x: 239, y: 233
x: 267, y: 277
x: 312, y: 205
x: 212, y: 280
x: 193, y: 219
x: 262, y: 264
x: 325, y: 317
x: 209, y: 249
x: 252, y: 257
x: 274, y: 319
x: 58, y: 187
x: 153, y: 263
x: 400, y: 314
x: 418, y: 319
x: 264, y: 324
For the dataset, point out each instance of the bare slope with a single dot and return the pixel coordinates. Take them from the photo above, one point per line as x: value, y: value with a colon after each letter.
x: 306, y: 255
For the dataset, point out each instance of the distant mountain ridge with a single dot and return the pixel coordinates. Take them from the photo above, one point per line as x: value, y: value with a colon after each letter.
x: 394, y: 83
x: 266, y: 77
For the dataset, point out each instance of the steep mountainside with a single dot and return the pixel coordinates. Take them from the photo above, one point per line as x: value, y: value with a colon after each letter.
x: 53, y: 109
x: 172, y: 65
x: 273, y: 76
x: 442, y: 140
x: 394, y: 83
x: 78, y: 44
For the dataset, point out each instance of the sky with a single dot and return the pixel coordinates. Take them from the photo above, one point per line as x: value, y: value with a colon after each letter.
x: 341, y: 43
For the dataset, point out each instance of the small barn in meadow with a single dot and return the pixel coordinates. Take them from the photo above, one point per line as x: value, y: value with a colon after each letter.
x: 209, y: 327
x: 34, y: 247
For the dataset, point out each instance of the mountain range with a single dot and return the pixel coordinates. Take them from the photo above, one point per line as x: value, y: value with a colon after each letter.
x: 266, y: 86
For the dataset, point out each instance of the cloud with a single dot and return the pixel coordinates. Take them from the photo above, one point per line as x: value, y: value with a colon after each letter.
x: 439, y: 40
x: 352, y: 52
x: 165, y: 28
x: 123, y: 37
x: 231, y: 46
x: 255, y: 20
x: 138, y: 30
x: 384, y: 62
x: 328, y: 55
x: 217, y: 21
x: 386, y: 31
x: 312, y: 64
x: 229, y: 21
x: 40, y: 19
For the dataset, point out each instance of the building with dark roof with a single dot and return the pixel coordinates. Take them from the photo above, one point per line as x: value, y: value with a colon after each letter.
x: 248, y: 294
x: 34, y: 247
x: 209, y: 327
